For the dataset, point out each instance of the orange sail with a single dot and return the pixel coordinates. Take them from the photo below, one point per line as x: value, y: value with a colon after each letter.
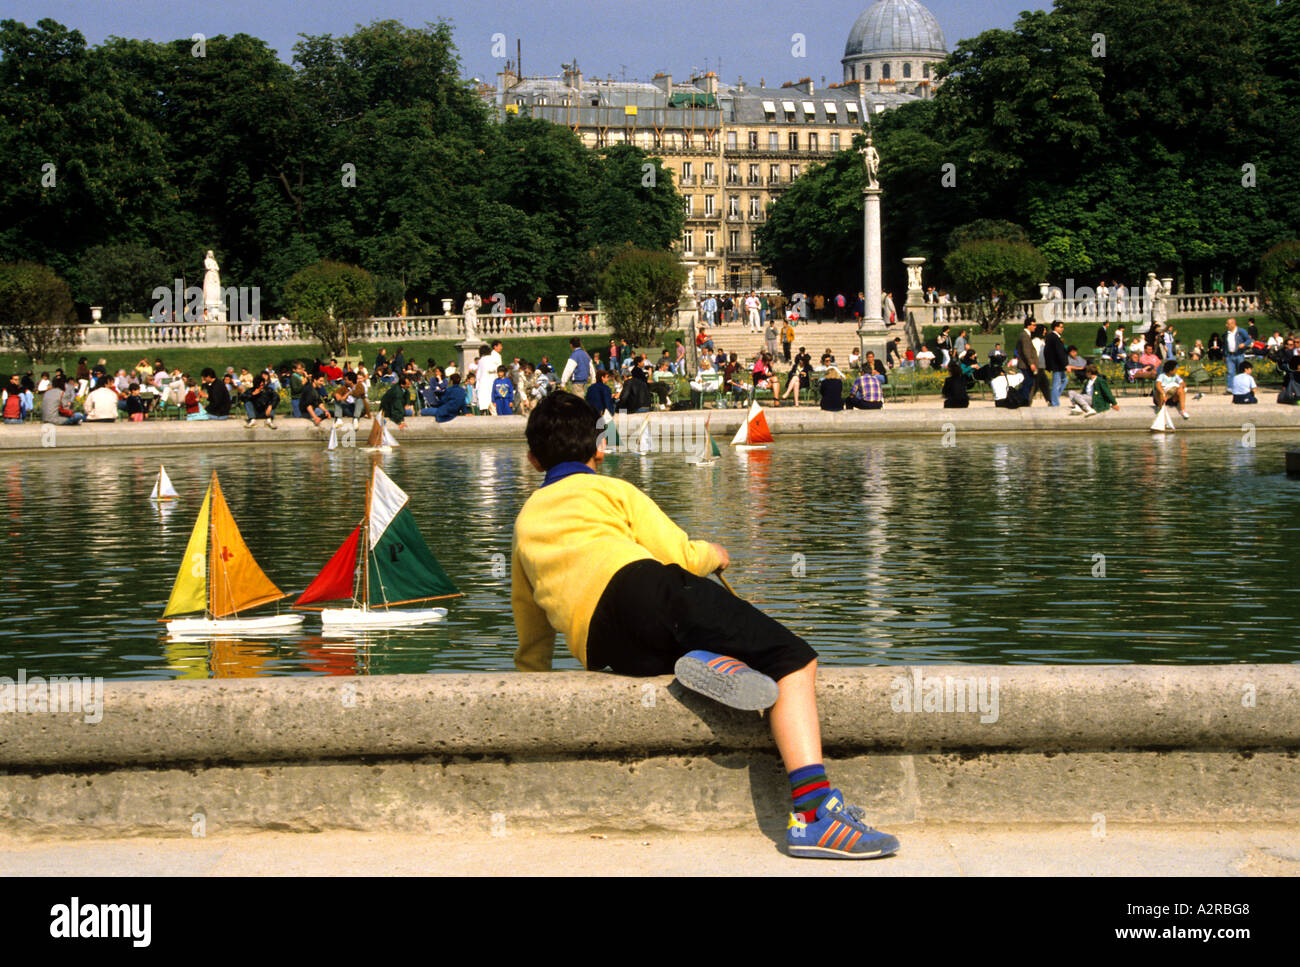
x: 758, y: 429
x: 236, y: 582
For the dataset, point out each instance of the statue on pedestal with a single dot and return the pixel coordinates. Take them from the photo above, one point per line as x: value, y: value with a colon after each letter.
x: 212, y: 288
x: 472, y: 305
x: 914, y: 278
x: 871, y: 161
x: 1155, y: 291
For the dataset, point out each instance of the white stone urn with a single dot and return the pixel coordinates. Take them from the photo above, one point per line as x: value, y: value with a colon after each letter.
x: 446, y: 307
x: 563, y: 301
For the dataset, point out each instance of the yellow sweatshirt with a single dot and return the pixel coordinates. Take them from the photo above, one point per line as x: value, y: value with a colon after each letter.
x: 570, y: 538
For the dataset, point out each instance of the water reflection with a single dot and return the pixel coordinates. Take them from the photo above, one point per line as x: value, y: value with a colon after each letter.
x: 874, y: 550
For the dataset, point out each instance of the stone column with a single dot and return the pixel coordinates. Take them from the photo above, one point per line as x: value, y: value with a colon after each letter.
x: 871, y: 328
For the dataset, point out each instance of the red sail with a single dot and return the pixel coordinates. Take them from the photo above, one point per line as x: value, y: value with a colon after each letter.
x: 336, y: 578
x: 758, y: 430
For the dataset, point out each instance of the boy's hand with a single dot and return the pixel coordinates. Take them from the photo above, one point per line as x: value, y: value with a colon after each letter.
x: 722, y: 553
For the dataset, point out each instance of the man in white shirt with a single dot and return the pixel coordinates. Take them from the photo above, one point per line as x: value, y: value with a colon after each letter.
x: 751, y: 307
x: 101, y: 405
x: 1235, y: 342
x: 1243, y: 386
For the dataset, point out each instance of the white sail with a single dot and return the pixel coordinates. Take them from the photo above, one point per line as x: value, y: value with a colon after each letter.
x: 334, y: 439
x: 162, y: 487
x: 389, y: 439
x: 1163, y: 423
x: 742, y: 434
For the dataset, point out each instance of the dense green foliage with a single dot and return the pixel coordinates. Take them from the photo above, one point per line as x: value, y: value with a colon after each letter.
x: 1279, y: 282
x: 370, y: 150
x: 333, y: 300
x: 35, y: 309
x: 639, y: 290
x: 995, y: 274
x: 1124, y: 135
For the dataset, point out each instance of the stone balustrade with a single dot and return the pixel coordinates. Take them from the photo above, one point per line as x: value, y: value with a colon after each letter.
x: 133, y: 336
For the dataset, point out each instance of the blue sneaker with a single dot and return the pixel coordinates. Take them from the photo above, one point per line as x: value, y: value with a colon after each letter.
x: 838, y: 832
x: 727, y: 680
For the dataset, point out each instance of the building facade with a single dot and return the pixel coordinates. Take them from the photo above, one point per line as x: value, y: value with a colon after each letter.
x: 734, y: 148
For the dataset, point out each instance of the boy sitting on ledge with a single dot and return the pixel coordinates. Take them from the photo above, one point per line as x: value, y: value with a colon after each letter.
x: 596, y: 558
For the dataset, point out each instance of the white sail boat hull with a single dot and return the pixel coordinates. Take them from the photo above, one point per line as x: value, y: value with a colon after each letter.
x: 233, y: 627
x: 162, y: 488
x: 379, y: 617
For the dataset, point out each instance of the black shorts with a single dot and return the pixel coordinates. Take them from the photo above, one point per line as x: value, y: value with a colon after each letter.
x: 651, y: 614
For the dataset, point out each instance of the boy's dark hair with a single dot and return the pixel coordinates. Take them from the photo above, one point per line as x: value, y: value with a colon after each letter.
x: 501, y: 370
x: 562, y: 429
x: 209, y: 372
x: 1171, y: 366
x: 1246, y: 366
x: 455, y: 379
x: 575, y: 342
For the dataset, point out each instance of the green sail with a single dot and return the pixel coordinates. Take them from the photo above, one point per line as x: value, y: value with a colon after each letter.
x: 402, y: 568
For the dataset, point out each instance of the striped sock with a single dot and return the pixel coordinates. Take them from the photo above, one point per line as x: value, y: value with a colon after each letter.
x: 809, y: 788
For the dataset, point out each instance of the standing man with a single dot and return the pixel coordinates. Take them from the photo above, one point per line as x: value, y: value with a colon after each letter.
x: 1055, y: 361
x: 752, y: 307
x: 839, y: 307
x: 787, y: 337
x: 577, y: 370
x: 710, y: 309
x: 1234, y: 352
x: 1028, y: 364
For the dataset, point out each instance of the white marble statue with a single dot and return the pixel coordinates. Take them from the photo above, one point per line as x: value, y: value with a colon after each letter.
x: 1155, y: 291
x: 914, y: 278
x: 472, y: 305
x: 871, y: 160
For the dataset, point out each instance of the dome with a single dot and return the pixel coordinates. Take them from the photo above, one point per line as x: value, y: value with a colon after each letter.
x: 895, y: 27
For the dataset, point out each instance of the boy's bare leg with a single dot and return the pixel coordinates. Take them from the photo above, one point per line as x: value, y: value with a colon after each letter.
x: 795, y: 725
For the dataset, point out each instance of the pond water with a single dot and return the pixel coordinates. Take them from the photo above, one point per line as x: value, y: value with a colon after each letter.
x: 1048, y: 549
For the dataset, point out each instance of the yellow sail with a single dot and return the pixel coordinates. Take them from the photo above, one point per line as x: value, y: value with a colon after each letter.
x: 189, y: 593
x: 237, y: 582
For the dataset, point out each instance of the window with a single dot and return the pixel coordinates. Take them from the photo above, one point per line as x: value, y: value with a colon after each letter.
x: 832, y: 112
x: 709, y: 172
x: 708, y: 204
x: 794, y: 172
x: 689, y: 203
x: 907, y: 70
x: 852, y: 75
x: 754, y: 177
x: 753, y: 140
x: 885, y: 71
x: 709, y: 242
x: 925, y: 70
x: 658, y: 141
x: 794, y: 140
x: 731, y: 140
x: 788, y: 108
x: 810, y: 112
x: 835, y: 142
x: 866, y: 72
x: 541, y: 98
x: 754, y: 208
x: 688, y: 243
x: 812, y: 141
x: 769, y: 110
x: 735, y: 241
x: 711, y: 276
x: 688, y: 172
x: 773, y: 141
x: 733, y: 206
x: 733, y: 174
x: 773, y: 173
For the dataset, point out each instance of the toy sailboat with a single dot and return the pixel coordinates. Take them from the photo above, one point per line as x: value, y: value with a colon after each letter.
x: 381, y: 438
x: 334, y: 438
x: 644, y: 442
x: 396, y: 567
x: 1163, y: 423
x: 162, y: 487
x: 753, y: 433
x: 222, y: 583
x: 709, y: 453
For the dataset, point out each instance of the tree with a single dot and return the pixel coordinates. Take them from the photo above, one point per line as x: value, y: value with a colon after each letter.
x: 36, y: 310
x: 120, y: 277
x: 332, y: 300
x: 995, y: 274
x: 1279, y: 282
x: 639, y: 290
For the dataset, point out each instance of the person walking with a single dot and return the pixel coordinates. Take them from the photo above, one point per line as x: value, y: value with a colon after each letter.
x: 578, y: 369
x: 1028, y: 361
x: 1235, y: 342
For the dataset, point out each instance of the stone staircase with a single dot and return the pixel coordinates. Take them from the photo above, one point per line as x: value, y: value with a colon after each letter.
x: 841, y: 337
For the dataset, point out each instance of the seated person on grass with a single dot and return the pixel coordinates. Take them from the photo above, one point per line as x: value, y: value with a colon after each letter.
x: 1095, y: 397
x: 595, y: 558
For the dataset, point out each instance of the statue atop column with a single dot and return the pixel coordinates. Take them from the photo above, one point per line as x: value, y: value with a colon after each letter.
x: 871, y: 161
x: 1156, y: 312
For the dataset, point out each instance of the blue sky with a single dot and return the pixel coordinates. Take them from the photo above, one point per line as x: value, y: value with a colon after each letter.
x: 749, y: 38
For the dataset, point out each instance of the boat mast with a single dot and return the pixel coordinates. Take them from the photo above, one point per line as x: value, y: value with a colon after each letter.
x: 365, y: 542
